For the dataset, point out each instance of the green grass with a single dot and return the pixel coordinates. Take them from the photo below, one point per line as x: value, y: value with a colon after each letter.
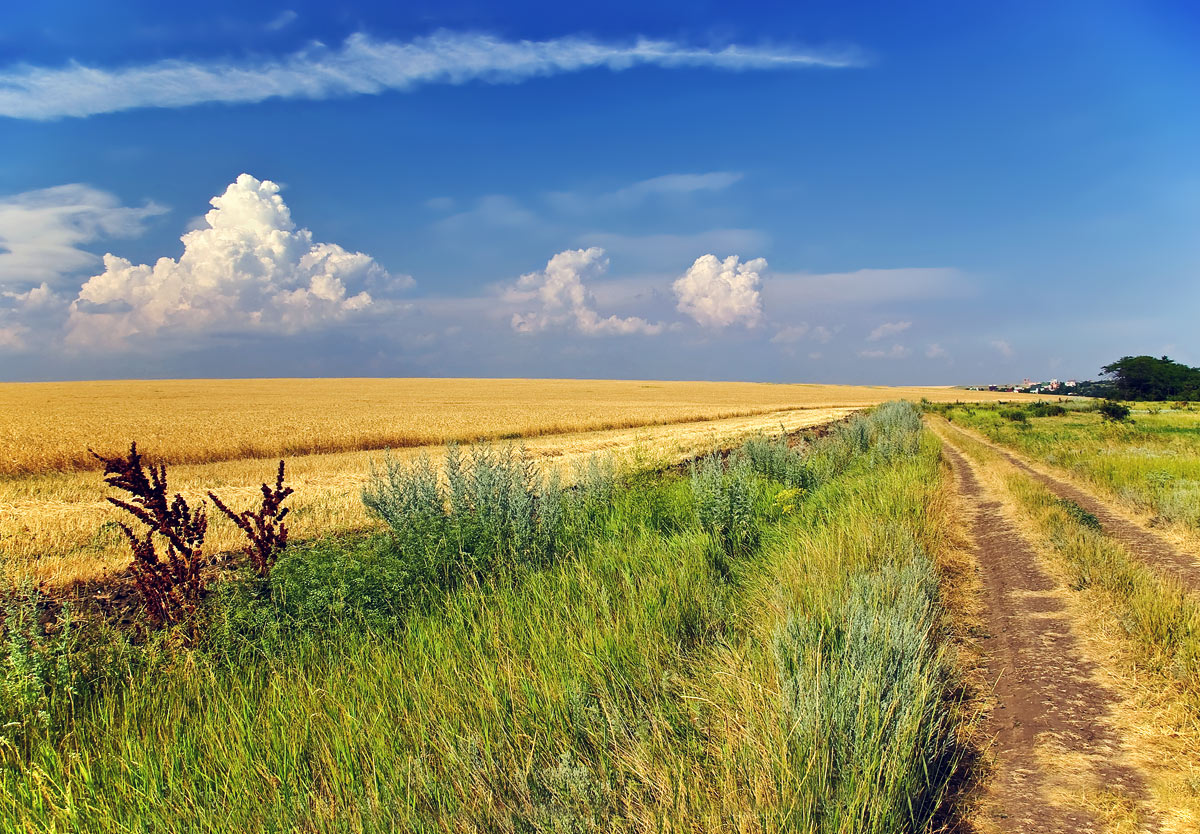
x: 1156, y: 614
x: 1151, y: 464
x: 1149, y: 618
x: 633, y: 682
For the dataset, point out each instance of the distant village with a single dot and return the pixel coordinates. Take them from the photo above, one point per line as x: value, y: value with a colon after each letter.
x: 1069, y: 388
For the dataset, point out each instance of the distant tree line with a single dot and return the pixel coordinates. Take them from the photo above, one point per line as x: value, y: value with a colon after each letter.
x: 1147, y: 378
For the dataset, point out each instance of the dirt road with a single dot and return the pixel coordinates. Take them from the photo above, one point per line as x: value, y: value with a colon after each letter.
x: 1057, y: 755
x: 1142, y: 542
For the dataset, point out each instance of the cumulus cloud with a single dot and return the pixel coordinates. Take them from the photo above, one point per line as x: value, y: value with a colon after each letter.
x: 565, y: 300
x: 27, y: 319
x: 1002, y: 347
x: 896, y: 352
x: 42, y: 232
x: 720, y: 293
x: 935, y: 351
x: 248, y: 269
x: 890, y: 328
x: 365, y: 66
x: 12, y: 337
x: 40, y: 297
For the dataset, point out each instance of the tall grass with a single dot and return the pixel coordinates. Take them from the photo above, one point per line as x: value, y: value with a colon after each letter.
x: 627, y: 683
x: 1151, y: 465
x: 867, y: 687
x: 1156, y: 613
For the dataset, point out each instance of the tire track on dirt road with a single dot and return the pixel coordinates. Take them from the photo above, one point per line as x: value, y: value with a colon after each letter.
x: 1150, y: 548
x: 1053, y: 735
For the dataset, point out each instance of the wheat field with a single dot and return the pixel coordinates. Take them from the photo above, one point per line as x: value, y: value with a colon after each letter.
x: 48, y: 427
x: 55, y: 527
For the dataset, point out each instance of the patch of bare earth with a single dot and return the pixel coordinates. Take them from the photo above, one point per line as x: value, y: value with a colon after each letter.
x: 1056, y: 758
x: 1143, y: 543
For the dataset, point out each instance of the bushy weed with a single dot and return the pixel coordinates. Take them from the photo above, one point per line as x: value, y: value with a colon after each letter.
x: 772, y: 458
x: 724, y: 497
x: 494, y: 511
x: 866, y: 690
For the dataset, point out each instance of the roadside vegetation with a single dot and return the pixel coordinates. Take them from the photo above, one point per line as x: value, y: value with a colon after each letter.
x: 1142, y: 622
x: 1146, y: 457
x: 756, y: 636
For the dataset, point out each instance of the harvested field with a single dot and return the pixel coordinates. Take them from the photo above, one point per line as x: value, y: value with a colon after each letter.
x: 48, y: 427
x: 56, y: 528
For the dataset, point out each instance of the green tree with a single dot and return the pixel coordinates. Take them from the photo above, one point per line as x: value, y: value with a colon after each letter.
x: 1147, y: 378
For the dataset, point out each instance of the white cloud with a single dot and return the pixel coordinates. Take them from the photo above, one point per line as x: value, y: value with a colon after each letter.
x: 565, y: 300
x: 42, y: 232
x: 12, y: 337
x: 665, y: 251
x: 935, y: 351
x: 896, y: 352
x: 679, y: 184
x: 665, y: 186
x: 494, y: 211
x: 720, y: 293
x: 791, y: 334
x: 890, y: 328
x: 40, y: 297
x: 28, y: 318
x: 364, y: 66
x: 1002, y: 347
x: 249, y: 269
x: 282, y: 20
x: 866, y: 286
x: 823, y: 334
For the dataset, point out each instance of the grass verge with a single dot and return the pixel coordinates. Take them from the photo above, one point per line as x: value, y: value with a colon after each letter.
x: 669, y: 668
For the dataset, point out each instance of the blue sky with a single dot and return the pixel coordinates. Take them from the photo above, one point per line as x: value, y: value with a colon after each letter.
x: 825, y: 192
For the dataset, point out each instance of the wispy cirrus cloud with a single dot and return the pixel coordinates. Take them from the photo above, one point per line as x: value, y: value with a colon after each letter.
x: 896, y: 352
x: 43, y: 232
x: 363, y: 65
x: 870, y: 286
x: 666, y: 186
x: 282, y: 20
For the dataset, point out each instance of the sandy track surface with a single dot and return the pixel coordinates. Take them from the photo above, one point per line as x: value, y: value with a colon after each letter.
x: 1054, y: 739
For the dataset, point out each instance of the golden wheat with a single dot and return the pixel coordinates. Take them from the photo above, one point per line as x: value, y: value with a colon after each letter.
x: 55, y: 526
x: 48, y: 427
